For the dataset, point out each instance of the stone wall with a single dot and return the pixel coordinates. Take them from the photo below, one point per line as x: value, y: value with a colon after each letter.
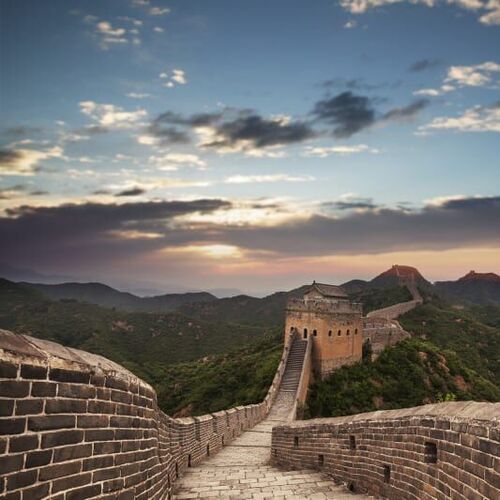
x: 441, y: 451
x: 382, y: 333
x: 75, y: 425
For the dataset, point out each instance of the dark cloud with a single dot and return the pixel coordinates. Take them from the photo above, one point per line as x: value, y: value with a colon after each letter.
x: 196, y: 120
x: 70, y: 234
x: 38, y: 192
x: 167, y: 134
x: 260, y: 132
x: 9, y: 158
x: 406, y: 112
x: 350, y: 113
x: 357, y: 84
x: 20, y: 131
x: 347, y: 112
x: 136, y: 191
x: 362, y: 203
x: 424, y: 64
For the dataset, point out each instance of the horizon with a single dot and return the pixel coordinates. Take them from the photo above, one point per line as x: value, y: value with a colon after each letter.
x: 210, y: 145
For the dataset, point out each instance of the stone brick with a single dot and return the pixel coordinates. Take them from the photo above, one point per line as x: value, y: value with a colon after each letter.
x: 29, y: 406
x: 12, y: 426
x: 48, y: 422
x: 34, y: 372
x: 88, y: 421
x: 42, y: 389
x: 65, y: 406
x: 21, y: 480
x: 36, y: 492
x: 61, y: 375
x: 6, y: 407
x: 7, y: 370
x: 116, y: 383
x: 72, y: 452
x: 107, y: 448
x: 69, y: 482
x: 14, y: 388
x: 99, y: 435
x: 59, y: 470
x: 61, y: 438
x: 76, y: 391
x: 38, y: 458
x: 98, y: 462
x: 9, y: 463
x: 84, y: 492
x: 23, y: 443
x: 101, y: 407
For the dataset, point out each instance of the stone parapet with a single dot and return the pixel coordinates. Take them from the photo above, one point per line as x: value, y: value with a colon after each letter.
x: 76, y: 425
x: 440, y: 451
x: 324, y: 306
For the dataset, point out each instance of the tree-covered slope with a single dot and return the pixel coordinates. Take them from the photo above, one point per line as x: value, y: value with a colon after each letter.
x: 452, y: 355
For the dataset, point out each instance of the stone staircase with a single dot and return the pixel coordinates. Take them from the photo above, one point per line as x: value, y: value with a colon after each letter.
x: 242, y: 470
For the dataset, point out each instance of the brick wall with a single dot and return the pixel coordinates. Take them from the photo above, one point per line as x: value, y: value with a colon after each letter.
x: 75, y: 425
x: 441, y: 451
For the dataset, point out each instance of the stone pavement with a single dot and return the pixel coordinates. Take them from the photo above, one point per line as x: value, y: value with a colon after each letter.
x: 241, y: 470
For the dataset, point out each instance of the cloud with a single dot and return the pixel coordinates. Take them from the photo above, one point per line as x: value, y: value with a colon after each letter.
x: 352, y: 23
x: 475, y: 119
x: 251, y: 179
x: 109, y: 116
x: 323, y: 152
x: 95, y: 233
x: 138, y: 95
x: 25, y: 161
x: 347, y: 112
x: 11, y: 192
x: 178, y: 77
x: 489, y: 10
x: 158, y: 11
x: 135, y: 191
x: 424, y: 64
x: 174, y: 161
x: 478, y: 75
x: 406, y: 112
x: 158, y: 29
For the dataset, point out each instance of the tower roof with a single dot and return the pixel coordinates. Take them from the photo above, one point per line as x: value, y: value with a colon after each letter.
x: 328, y: 290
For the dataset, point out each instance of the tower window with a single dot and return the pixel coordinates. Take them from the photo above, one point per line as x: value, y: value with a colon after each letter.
x: 352, y: 442
x: 321, y: 460
x: 387, y: 473
x: 296, y: 441
x: 356, y: 331
x: 430, y: 453
x: 329, y: 333
x: 339, y: 333
x: 315, y: 333
x: 305, y: 333
x: 348, y: 332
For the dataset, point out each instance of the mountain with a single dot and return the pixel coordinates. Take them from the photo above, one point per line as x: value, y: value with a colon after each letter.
x: 134, y: 339
x: 398, y: 275
x: 355, y: 286
x: 105, y: 296
x: 476, y: 288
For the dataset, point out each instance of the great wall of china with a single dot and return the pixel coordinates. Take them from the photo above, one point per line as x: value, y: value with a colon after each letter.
x: 75, y: 425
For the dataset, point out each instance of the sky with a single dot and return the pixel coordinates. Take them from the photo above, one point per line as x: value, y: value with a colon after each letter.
x: 198, y: 144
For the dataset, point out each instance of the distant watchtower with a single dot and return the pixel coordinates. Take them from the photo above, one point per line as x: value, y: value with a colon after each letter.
x: 334, y: 323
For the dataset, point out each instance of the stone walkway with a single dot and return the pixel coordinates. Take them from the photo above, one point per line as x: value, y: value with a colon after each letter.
x: 241, y: 470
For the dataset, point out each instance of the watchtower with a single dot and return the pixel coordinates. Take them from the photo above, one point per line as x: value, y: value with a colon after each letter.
x: 334, y: 323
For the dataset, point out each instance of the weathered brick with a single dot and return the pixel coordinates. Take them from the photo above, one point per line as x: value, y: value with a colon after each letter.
x: 38, y: 458
x: 76, y: 391
x: 84, y: 492
x: 36, y: 492
x: 34, y: 372
x: 8, y: 370
x: 29, y: 406
x: 65, y: 406
x: 76, y: 377
x: 99, y: 435
x: 42, y: 389
x: 23, y: 443
x: 6, y: 407
x: 116, y: 383
x: 21, y: 480
x: 14, y: 388
x: 61, y: 438
x: 59, y: 470
x: 101, y: 407
x: 12, y: 425
x: 9, y: 463
x: 89, y: 421
x: 70, y: 482
x: 107, y: 448
x: 113, y: 485
x: 121, y: 397
x: 98, y: 462
x: 48, y: 422
x: 72, y: 452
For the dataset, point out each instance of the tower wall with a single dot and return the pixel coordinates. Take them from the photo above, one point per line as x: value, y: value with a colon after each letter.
x: 335, y: 326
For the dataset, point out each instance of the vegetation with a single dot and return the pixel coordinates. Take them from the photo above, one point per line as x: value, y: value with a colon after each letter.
x: 452, y: 355
x: 376, y: 298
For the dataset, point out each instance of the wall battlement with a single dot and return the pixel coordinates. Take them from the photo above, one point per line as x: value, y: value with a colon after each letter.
x: 440, y: 451
x: 76, y: 425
